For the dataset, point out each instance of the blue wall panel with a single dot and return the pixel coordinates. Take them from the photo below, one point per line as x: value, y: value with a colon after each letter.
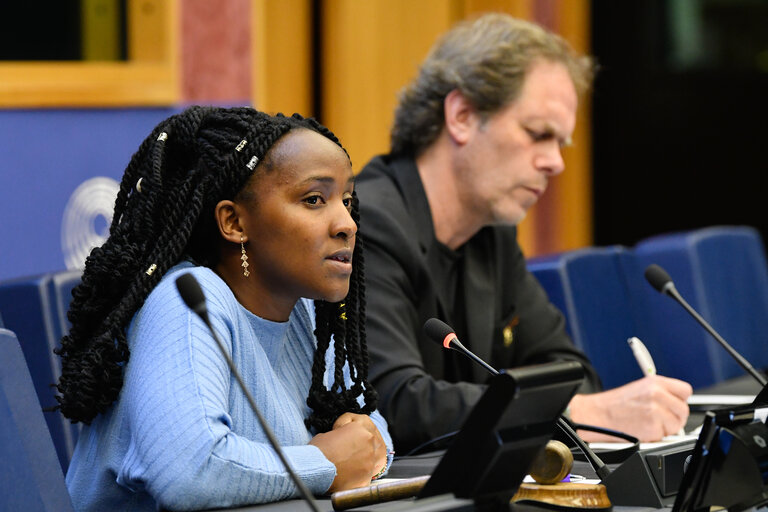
x: 44, y: 156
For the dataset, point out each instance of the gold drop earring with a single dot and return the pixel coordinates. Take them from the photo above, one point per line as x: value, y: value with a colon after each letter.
x: 244, y: 257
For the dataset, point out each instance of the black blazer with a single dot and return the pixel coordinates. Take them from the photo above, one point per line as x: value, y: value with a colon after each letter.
x: 509, y: 320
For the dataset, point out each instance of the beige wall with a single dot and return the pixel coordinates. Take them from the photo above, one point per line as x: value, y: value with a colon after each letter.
x: 344, y: 60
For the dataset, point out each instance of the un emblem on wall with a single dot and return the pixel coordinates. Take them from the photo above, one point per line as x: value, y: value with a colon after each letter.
x: 86, y: 219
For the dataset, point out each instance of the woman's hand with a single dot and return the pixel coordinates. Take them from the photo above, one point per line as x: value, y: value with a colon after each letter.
x: 356, y: 448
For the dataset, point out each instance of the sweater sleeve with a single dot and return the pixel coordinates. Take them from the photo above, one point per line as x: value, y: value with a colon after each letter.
x: 381, y: 424
x: 376, y: 417
x: 184, y: 450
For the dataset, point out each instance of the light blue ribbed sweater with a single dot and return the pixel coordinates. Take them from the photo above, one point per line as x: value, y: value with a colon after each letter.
x: 181, y: 434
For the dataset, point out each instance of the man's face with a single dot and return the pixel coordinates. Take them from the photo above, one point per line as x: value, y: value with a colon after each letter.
x: 508, y: 159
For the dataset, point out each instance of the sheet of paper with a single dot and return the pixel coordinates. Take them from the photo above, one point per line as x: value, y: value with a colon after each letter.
x: 720, y: 399
x: 576, y: 479
x: 644, y: 446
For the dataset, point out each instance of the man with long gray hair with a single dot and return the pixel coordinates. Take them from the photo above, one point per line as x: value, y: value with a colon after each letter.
x: 476, y: 138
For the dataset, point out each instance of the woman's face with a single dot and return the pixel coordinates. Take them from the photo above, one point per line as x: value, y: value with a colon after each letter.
x: 296, y: 217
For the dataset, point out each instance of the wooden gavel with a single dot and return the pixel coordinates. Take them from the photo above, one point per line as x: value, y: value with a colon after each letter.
x: 552, y: 465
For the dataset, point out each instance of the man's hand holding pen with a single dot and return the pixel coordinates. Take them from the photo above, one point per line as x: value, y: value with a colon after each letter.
x: 649, y: 408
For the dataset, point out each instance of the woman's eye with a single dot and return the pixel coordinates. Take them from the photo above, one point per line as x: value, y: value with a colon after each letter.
x: 348, y: 202
x: 313, y: 200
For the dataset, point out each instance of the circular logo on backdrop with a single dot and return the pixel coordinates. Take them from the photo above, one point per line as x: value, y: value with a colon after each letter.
x: 86, y: 220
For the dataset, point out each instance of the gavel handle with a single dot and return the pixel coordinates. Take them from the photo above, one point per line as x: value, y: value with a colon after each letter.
x: 378, y: 493
x: 550, y: 466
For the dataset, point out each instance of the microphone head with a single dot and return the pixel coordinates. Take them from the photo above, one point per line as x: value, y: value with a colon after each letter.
x: 191, y: 293
x: 658, y: 278
x: 437, y: 330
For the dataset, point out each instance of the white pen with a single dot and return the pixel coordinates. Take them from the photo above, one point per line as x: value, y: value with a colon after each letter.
x: 642, y: 356
x: 645, y: 361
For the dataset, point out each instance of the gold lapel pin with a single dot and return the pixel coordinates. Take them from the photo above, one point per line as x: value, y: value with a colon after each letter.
x: 508, y: 332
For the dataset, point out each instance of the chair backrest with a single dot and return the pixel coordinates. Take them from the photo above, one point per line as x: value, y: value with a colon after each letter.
x: 588, y: 285
x: 548, y: 271
x: 722, y: 272
x: 60, y: 292
x: 35, y: 309
x: 31, y: 478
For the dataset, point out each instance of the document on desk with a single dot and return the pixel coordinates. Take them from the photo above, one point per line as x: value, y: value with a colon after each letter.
x: 715, y: 400
x: 572, y: 478
x: 667, y: 441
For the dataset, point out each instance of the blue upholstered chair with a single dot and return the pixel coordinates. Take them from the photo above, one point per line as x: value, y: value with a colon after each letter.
x: 35, y: 309
x: 31, y: 478
x: 60, y: 292
x: 722, y: 272
x: 549, y: 271
x: 589, y: 286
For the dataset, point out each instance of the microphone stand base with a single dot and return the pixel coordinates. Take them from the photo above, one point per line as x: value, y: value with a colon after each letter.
x: 649, y: 478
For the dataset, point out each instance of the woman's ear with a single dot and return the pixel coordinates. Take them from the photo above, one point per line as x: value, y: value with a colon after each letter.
x: 228, y: 219
x: 460, y: 116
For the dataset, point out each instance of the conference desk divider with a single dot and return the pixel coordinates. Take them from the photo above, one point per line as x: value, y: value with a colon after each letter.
x: 508, y: 427
x: 729, y: 464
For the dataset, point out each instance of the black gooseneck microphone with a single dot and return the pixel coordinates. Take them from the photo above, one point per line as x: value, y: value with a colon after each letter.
x: 193, y: 297
x: 442, y: 334
x: 660, y: 280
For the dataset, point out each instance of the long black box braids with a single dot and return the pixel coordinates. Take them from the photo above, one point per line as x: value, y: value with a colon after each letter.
x: 164, y: 214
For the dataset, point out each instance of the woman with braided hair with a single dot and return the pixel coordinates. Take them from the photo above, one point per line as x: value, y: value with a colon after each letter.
x: 262, y: 211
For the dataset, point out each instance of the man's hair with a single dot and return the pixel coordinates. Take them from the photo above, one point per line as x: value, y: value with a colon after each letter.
x: 164, y: 213
x: 486, y: 60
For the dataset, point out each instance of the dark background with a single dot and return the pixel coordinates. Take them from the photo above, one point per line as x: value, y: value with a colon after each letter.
x: 680, y: 116
x: 50, y: 30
